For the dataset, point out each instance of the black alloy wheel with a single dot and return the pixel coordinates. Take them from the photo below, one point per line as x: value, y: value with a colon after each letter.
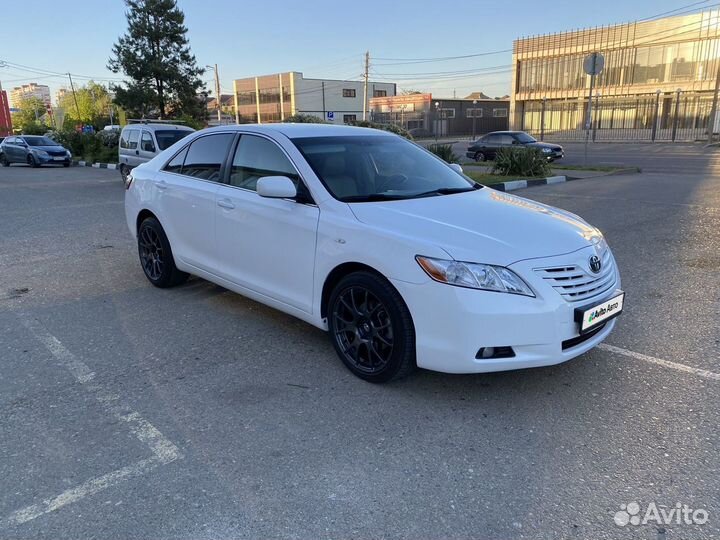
x: 124, y: 171
x: 371, y: 328
x: 156, y: 256
x: 479, y: 156
x: 32, y: 161
x: 4, y: 160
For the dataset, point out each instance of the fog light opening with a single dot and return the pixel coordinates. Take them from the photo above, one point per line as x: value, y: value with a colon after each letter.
x: 488, y: 353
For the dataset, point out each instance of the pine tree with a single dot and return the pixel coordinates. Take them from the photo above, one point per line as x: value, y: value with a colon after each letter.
x: 155, y: 55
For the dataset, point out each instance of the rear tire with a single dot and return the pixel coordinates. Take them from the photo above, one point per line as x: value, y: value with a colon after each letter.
x: 156, y: 256
x: 479, y: 156
x: 371, y: 328
x: 4, y: 161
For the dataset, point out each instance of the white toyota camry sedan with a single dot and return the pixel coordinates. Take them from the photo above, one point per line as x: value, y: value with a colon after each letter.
x: 404, y: 260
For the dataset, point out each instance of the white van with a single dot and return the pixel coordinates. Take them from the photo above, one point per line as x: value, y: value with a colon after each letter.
x: 142, y: 142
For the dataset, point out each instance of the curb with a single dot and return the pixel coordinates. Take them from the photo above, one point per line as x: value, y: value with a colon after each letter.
x: 522, y: 184
x: 113, y: 166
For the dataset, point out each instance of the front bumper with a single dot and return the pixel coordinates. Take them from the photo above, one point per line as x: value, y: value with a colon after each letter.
x: 453, y: 323
x: 554, y: 156
x: 47, y: 160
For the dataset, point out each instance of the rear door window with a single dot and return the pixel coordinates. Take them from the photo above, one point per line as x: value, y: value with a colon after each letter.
x: 206, y: 155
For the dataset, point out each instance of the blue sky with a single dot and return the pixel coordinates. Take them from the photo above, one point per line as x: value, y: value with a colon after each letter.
x: 321, y: 38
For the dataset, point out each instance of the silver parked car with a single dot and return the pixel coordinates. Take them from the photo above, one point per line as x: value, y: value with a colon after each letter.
x: 142, y: 142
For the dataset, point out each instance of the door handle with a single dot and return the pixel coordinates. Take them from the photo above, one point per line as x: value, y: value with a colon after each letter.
x: 225, y: 203
x: 162, y: 184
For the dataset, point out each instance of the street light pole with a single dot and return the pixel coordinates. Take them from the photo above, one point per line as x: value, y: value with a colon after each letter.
x: 217, y: 91
x: 437, y: 120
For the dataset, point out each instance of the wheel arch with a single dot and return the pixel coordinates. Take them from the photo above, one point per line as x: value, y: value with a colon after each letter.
x: 334, y: 277
x: 142, y: 216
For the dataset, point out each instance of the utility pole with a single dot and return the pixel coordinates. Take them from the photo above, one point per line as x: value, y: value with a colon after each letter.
x: 323, y: 101
x: 72, y: 87
x: 365, y: 86
x: 218, y: 101
x: 714, y: 108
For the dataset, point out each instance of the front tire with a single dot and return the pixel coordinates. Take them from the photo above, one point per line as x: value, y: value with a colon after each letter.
x: 32, y: 161
x: 124, y: 171
x: 156, y: 256
x: 371, y: 328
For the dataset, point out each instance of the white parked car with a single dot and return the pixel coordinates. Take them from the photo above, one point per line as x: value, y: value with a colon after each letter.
x: 404, y: 260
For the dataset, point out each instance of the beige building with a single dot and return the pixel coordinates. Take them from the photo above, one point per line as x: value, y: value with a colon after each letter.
x: 272, y: 98
x: 25, y: 91
x: 658, y: 80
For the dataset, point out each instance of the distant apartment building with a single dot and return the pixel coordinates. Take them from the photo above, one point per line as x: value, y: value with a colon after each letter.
x: 425, y: 115
x: 658, y: 81
x: 272, y: 98
x: 60, y: 94
x: 31, y: 90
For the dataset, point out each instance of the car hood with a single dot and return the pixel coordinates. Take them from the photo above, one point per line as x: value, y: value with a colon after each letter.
x: 49, y: 148
x: 545, y: 145
x: 486, y: 225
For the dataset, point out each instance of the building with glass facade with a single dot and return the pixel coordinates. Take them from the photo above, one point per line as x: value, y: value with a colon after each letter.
x: 658, y: 81
x: 272, y: 98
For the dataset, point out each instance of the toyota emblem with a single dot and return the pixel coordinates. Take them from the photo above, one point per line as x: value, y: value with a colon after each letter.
x: 595, y: 264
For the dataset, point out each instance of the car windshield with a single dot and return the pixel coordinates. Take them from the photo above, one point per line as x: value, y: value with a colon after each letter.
x: 371, y: 168
x: 167, y: 137
x: 40, y: 141
x: 524, y: 138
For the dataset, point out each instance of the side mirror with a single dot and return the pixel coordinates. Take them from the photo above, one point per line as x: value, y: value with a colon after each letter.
x: 276, y: 187
x: 457, y: 168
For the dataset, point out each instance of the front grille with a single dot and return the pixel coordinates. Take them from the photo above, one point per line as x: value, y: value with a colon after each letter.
x: 56, y: 152
x: 576, y: 283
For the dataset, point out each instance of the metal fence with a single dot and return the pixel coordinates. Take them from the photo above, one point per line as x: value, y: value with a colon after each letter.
x: 648, y: 117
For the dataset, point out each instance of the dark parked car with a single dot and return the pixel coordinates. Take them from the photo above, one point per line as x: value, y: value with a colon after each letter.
x: 487, y: 146
x: 34, y: 150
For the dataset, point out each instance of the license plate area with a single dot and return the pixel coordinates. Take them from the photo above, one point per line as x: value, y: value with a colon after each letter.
x: 590, y: 316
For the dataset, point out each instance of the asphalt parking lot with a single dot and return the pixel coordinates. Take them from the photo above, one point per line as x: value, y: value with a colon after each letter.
x: 135, y: 412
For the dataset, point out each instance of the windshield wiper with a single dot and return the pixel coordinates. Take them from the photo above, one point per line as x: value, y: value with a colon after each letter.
x: 373, y: 197
x: 447, y: 191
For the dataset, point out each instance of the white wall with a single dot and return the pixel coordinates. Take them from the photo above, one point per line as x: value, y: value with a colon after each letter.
x: 309, y: 97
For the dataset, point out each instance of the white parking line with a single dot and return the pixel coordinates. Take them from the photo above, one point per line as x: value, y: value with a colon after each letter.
x: 164, y: 451
x: 660, y: 362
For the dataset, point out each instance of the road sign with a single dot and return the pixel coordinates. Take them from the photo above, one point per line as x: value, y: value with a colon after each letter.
x: 330, y: 116
x: 594, y: 63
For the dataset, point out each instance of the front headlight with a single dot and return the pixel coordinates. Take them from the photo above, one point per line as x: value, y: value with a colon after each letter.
x: 547, y: 150
x: 487, y: 277
x: 41, y: 153
x: 67, y: 153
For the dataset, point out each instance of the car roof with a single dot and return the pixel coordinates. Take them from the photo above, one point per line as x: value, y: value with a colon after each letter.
x: 155, y: 127
x: 294, y: 131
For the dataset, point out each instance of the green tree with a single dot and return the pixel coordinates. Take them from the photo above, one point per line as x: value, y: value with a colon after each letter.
x: 28, y: 119
x: 155, y: 55
x: 93, y: 105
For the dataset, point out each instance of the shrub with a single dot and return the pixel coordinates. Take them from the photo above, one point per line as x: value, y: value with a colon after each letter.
x: 392, y: 128
x: 521, y: 161
x: 304, y: 119
x: 444, y: 151
x: 110, y: 138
